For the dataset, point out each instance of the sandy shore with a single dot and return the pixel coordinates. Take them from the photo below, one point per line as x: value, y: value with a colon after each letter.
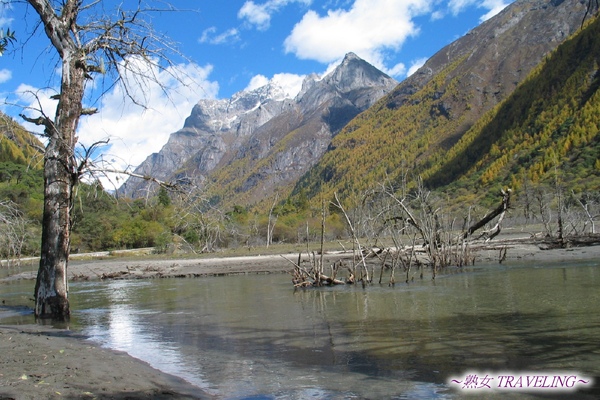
x: 44, y: 363
x: 516, y: 249
x: 39, y: 362
x: 147, y: 268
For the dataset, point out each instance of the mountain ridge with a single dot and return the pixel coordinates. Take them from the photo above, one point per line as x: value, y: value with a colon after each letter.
x: 250, y: 125
x: 346, y: 139
x: 428, y: 113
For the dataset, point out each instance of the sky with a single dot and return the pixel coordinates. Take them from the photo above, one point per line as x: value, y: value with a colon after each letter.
x: 229, y: 46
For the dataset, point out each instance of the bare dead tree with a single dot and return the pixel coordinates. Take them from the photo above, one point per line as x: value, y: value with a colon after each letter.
x: 194, y: 214
x: 90, y: 41
x: 314, y: 276
x: 591, y: 209
x: 420, y: 230
x: 272, y: 220
x: 359, y: 255
x: 418, y: 211
x: 499, y: 212
x: 13, y: 232
x: 543, y: 199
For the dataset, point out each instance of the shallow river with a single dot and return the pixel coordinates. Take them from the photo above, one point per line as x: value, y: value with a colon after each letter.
x: 253, y: 336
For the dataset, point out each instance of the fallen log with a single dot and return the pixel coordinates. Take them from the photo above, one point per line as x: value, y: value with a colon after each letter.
x: 330, y: 281
x: 498, y: 212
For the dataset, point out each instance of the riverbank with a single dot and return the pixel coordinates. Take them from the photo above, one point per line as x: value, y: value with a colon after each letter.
x: 41, y: 362
x: 511, y: 248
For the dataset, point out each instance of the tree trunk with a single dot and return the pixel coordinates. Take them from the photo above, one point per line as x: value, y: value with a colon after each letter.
x: 84, y: 49
x: 60, y: 177
x: 51, y: 289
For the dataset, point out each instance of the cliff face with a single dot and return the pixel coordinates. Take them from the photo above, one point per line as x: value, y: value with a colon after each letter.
x: 259, y: 140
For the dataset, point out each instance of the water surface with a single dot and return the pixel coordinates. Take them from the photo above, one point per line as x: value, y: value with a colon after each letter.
x: 256, y: 337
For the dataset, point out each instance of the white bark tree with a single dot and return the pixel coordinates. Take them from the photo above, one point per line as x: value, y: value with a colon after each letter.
x: 90, y: 40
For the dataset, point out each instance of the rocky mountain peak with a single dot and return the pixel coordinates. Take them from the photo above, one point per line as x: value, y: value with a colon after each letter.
x: 308, y: 83
x: 271, y: 91
x: 350, y: 57
x: 354, y: 72
x: 251, y: 125
x: 219, y: 115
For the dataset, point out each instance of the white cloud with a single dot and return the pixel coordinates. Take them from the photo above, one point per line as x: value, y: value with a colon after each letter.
x: 397, y: 70
x: 493, y: 6
x: 415, y: 65
x: 135, y: 132
x: 373, y: 29
x: 260, y: 15
x: 256, y: 82
x: 5, y: 75
x: 436, y: 15
x: 457, y: 6
x: 5, y: 22
x: 368, y: 28
x: 5, y: 8
x: 229, y: 36
x: 291, y: 83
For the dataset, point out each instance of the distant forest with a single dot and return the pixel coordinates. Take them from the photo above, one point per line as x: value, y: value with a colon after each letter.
x: 542, y: 142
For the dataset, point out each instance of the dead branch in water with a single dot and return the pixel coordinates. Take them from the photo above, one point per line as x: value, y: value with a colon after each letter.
x: 302, y: 277
x: 415, y: 217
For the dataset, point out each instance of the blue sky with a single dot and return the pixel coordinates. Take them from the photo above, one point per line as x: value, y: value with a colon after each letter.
x: 237, y: 45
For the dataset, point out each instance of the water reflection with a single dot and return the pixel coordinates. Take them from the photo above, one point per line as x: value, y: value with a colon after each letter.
x: 115, y: 319
x: 245, y: 336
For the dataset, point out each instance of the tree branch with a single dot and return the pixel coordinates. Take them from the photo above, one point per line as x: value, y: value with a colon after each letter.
x: 89, y: 111
x: 500, y: 210
x: 164, y: 184
x: 55, y: 26
x: 37, y: 121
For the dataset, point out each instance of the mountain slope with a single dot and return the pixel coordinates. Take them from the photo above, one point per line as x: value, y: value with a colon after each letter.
x: 413, y: 128
x: 547, y: 131
x: 212, y: 129
x: 17, y: 145
x: 242, y: 149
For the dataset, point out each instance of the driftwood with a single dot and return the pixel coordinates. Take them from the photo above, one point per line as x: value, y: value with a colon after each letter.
x: 303, y: 277
x: 499, y: 212
x: 359, y: 248
x: 438, y: 249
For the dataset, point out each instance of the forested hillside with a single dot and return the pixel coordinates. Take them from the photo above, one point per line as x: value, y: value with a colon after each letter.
x: 21, y: 193
x: 166, y: 221
x: 547, y: 130
x: 100, y: 221
x: 440, y: 131
x: 17, y: 145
